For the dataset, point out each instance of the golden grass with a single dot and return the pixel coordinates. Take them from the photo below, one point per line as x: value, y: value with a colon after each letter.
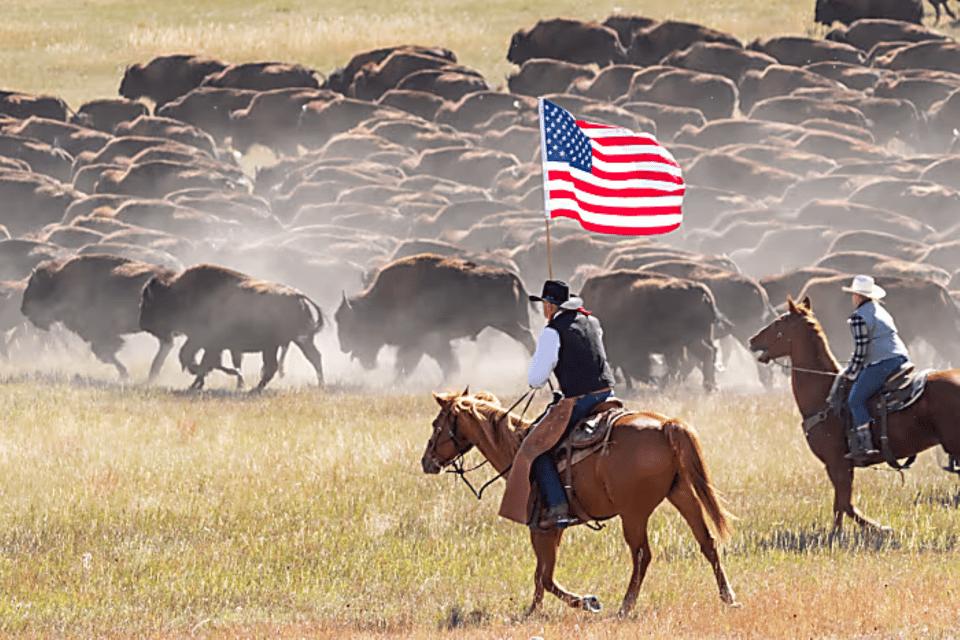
x: 144, y: 512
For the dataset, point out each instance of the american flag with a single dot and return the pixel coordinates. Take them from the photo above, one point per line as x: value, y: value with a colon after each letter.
x: 610, y: 179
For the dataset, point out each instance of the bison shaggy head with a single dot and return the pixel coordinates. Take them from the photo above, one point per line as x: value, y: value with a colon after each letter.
x: 519, y: 51
x: 158, y: 309
x: 132, y: 84
x: 39, y: 299
x: 354, y: 332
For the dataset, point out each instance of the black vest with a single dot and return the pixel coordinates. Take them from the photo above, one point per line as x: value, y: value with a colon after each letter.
x: 582, y: 365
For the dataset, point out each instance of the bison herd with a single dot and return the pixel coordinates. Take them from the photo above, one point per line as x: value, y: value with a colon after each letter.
x: 404, y: 190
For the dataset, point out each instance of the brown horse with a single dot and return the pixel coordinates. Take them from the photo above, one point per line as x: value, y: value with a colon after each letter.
x: 931, y: 420
x: 648, y: 458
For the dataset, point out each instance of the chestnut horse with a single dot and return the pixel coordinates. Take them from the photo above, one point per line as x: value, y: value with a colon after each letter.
x: 933, y: 419
x: 648, y: 458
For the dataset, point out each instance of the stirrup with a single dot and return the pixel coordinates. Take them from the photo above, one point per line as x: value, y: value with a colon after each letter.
x: 556, y: 517
x: 861, y: 455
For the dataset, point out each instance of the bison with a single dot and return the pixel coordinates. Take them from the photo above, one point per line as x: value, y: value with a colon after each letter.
x: 650, y: 45
x: 421, y: 303
x: 848, y: 11
x: 570, y: 40
x: 166, y: 78
x: 106, y: 113
x: 645, y: 314
x: 97, y: 297
x: 262, y: 76
x: 219, y: 310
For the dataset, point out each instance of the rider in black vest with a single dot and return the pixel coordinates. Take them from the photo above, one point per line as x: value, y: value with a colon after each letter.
x: 571, y: 347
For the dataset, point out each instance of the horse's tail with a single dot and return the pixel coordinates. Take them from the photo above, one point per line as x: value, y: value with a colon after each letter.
x: 686, y: 446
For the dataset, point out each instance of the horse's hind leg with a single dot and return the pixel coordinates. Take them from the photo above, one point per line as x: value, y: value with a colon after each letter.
x: 545, y: 544
x: 635, y: 533
x: 687, y: 503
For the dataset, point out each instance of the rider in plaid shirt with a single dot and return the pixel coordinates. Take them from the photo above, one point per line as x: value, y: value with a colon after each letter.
x: 878, y: 351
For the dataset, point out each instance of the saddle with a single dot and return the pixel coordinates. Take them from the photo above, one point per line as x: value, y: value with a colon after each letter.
x: 902, y: 389
x: 594, y: 428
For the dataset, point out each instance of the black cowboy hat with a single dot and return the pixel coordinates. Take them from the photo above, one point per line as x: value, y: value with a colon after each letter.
x: 554, y: 292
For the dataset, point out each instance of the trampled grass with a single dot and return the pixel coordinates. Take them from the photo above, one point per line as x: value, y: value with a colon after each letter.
x: 144, y: 512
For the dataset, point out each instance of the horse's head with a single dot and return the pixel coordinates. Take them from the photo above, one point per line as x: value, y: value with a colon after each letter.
x: 446, y: 443
x: 776, y: 339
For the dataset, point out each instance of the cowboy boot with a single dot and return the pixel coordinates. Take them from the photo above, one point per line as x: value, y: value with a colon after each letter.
x: 555, y: 516
x: 864, y: 444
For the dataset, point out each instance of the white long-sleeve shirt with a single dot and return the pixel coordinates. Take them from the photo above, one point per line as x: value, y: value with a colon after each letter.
x: 547, y: 354
x: 544, y: 358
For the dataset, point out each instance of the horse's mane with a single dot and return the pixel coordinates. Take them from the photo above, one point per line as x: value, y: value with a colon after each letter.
x: 484, y: 406
x: 818, y: 332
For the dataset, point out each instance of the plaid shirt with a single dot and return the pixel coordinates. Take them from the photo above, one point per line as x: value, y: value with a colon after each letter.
x: 861, y: 340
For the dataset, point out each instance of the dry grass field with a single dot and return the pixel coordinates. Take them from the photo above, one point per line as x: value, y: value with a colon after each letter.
x: 78, y: 49
x: 128, y: 511
x: 144, y: 512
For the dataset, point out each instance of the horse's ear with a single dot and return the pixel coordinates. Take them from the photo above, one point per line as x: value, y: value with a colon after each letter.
x: 443, y: 399
x: 791, y: 305
x: 466, y: 391
x: 806, y: 302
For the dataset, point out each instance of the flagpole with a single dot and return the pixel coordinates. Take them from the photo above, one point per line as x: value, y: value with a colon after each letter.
x: 546, y: 222
x: 546, y: 196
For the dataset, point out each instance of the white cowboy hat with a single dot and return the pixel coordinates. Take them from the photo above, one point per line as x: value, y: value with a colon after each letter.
x: 866, y: 287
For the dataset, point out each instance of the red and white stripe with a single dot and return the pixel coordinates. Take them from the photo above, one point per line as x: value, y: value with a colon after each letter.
x: 635, y: 187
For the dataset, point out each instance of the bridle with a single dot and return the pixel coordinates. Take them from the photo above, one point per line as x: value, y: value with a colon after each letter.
x: 456, y: 465
x: 817, y: 418
x: 789, y: 367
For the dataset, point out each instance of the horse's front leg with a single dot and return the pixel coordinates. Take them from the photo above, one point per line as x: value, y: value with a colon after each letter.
x: 841, y: 475
x: 545, y: 545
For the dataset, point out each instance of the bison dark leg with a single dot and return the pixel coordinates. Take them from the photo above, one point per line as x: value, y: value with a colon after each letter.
x: 165, y: 347
x: 107, y: 352
x: 946, y: 7
x: 210, y: 360
x: 442, y: 352
x: 270, y: 364
x: 311, y: 353
x: 186, y: 356
x: 707, y: 354
x: 283, y: 358
x: 237, y: 358
x: 936, y: 8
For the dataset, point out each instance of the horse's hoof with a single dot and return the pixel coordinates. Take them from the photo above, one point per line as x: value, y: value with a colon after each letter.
x: 591, y: 604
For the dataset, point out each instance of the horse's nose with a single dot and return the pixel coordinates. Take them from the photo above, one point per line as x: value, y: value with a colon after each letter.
x: 429, y: 464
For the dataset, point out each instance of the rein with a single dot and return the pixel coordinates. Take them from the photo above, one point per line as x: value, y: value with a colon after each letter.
x: 790, y: 367
x: 457, y: 463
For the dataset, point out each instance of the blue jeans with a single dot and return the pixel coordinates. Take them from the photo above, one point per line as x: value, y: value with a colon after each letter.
x: 870, y: 380
x: 545, y: 472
